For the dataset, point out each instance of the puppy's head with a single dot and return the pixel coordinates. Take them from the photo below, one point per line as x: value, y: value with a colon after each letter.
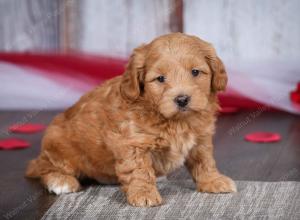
x: 175, y: 73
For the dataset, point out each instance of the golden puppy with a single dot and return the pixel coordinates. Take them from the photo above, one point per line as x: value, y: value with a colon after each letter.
x: 157, y: 116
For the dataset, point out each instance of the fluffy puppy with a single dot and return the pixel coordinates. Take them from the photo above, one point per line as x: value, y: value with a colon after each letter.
x: 157, y: 116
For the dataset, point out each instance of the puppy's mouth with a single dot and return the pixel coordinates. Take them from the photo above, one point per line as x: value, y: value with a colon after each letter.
x: 182, y: 112
x: 183, y: 109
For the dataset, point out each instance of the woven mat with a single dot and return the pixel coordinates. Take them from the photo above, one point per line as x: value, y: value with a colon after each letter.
x: 254, y: 200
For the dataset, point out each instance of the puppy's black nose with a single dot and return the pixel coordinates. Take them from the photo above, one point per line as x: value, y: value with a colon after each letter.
x: 182, y: 100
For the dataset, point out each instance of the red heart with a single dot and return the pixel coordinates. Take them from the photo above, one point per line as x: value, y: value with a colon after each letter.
x: 295, y: 95
x: 26, y: 128
x: 263, y: 137
x: 13, y: 143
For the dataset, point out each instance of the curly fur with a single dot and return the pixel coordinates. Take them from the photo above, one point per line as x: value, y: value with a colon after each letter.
x: 129, y: 130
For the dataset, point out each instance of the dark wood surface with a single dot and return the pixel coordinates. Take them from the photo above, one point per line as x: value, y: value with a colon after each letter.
x: 22, y: 198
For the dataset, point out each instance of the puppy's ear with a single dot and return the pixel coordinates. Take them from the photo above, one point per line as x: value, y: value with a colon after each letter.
x: 132, y: 84
x: 219, y: 77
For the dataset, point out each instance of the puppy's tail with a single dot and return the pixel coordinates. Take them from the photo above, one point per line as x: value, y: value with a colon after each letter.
x: 33, y: 170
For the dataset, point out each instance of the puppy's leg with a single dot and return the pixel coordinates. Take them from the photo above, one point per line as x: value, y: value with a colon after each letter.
x: 59, y: 183
x: 136, y: 174
x: 202, y: 167
x: 57, y: 179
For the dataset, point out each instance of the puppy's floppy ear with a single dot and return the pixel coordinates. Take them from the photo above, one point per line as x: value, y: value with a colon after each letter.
x: 132, y: 80
x: 219, y: 77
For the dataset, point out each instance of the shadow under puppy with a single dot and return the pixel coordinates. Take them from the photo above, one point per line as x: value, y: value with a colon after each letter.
x: 157, y: 116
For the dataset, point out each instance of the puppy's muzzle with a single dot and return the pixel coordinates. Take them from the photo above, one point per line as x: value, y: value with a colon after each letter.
x: 182, y: 101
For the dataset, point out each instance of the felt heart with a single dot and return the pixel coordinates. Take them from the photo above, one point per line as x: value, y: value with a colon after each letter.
x: 26, y: 128
x: 13, y: 143
x: 263, y: 137
x: 295, y: 95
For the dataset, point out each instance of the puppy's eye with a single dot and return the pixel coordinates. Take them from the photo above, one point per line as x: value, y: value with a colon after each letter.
x: 161, y: 79
x: 195, y: 72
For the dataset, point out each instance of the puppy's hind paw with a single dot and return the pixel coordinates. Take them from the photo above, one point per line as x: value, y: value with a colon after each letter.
x: 60, y: 184
x: 61, y: 189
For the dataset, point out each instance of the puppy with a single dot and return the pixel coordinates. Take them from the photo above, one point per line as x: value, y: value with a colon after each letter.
x: 156, y: 117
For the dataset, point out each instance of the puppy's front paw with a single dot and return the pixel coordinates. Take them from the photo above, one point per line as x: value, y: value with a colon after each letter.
x: 144, y: 198
x: 217, y: 184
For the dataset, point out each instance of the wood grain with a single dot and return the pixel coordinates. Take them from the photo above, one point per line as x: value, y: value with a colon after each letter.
x: 240, y: 30
x: 247, y: 30
x: 29, y: 25
x: 115, y: 27
x: 176, y: 16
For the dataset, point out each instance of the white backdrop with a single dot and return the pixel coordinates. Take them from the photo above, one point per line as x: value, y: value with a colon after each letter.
x: 259, y: 40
